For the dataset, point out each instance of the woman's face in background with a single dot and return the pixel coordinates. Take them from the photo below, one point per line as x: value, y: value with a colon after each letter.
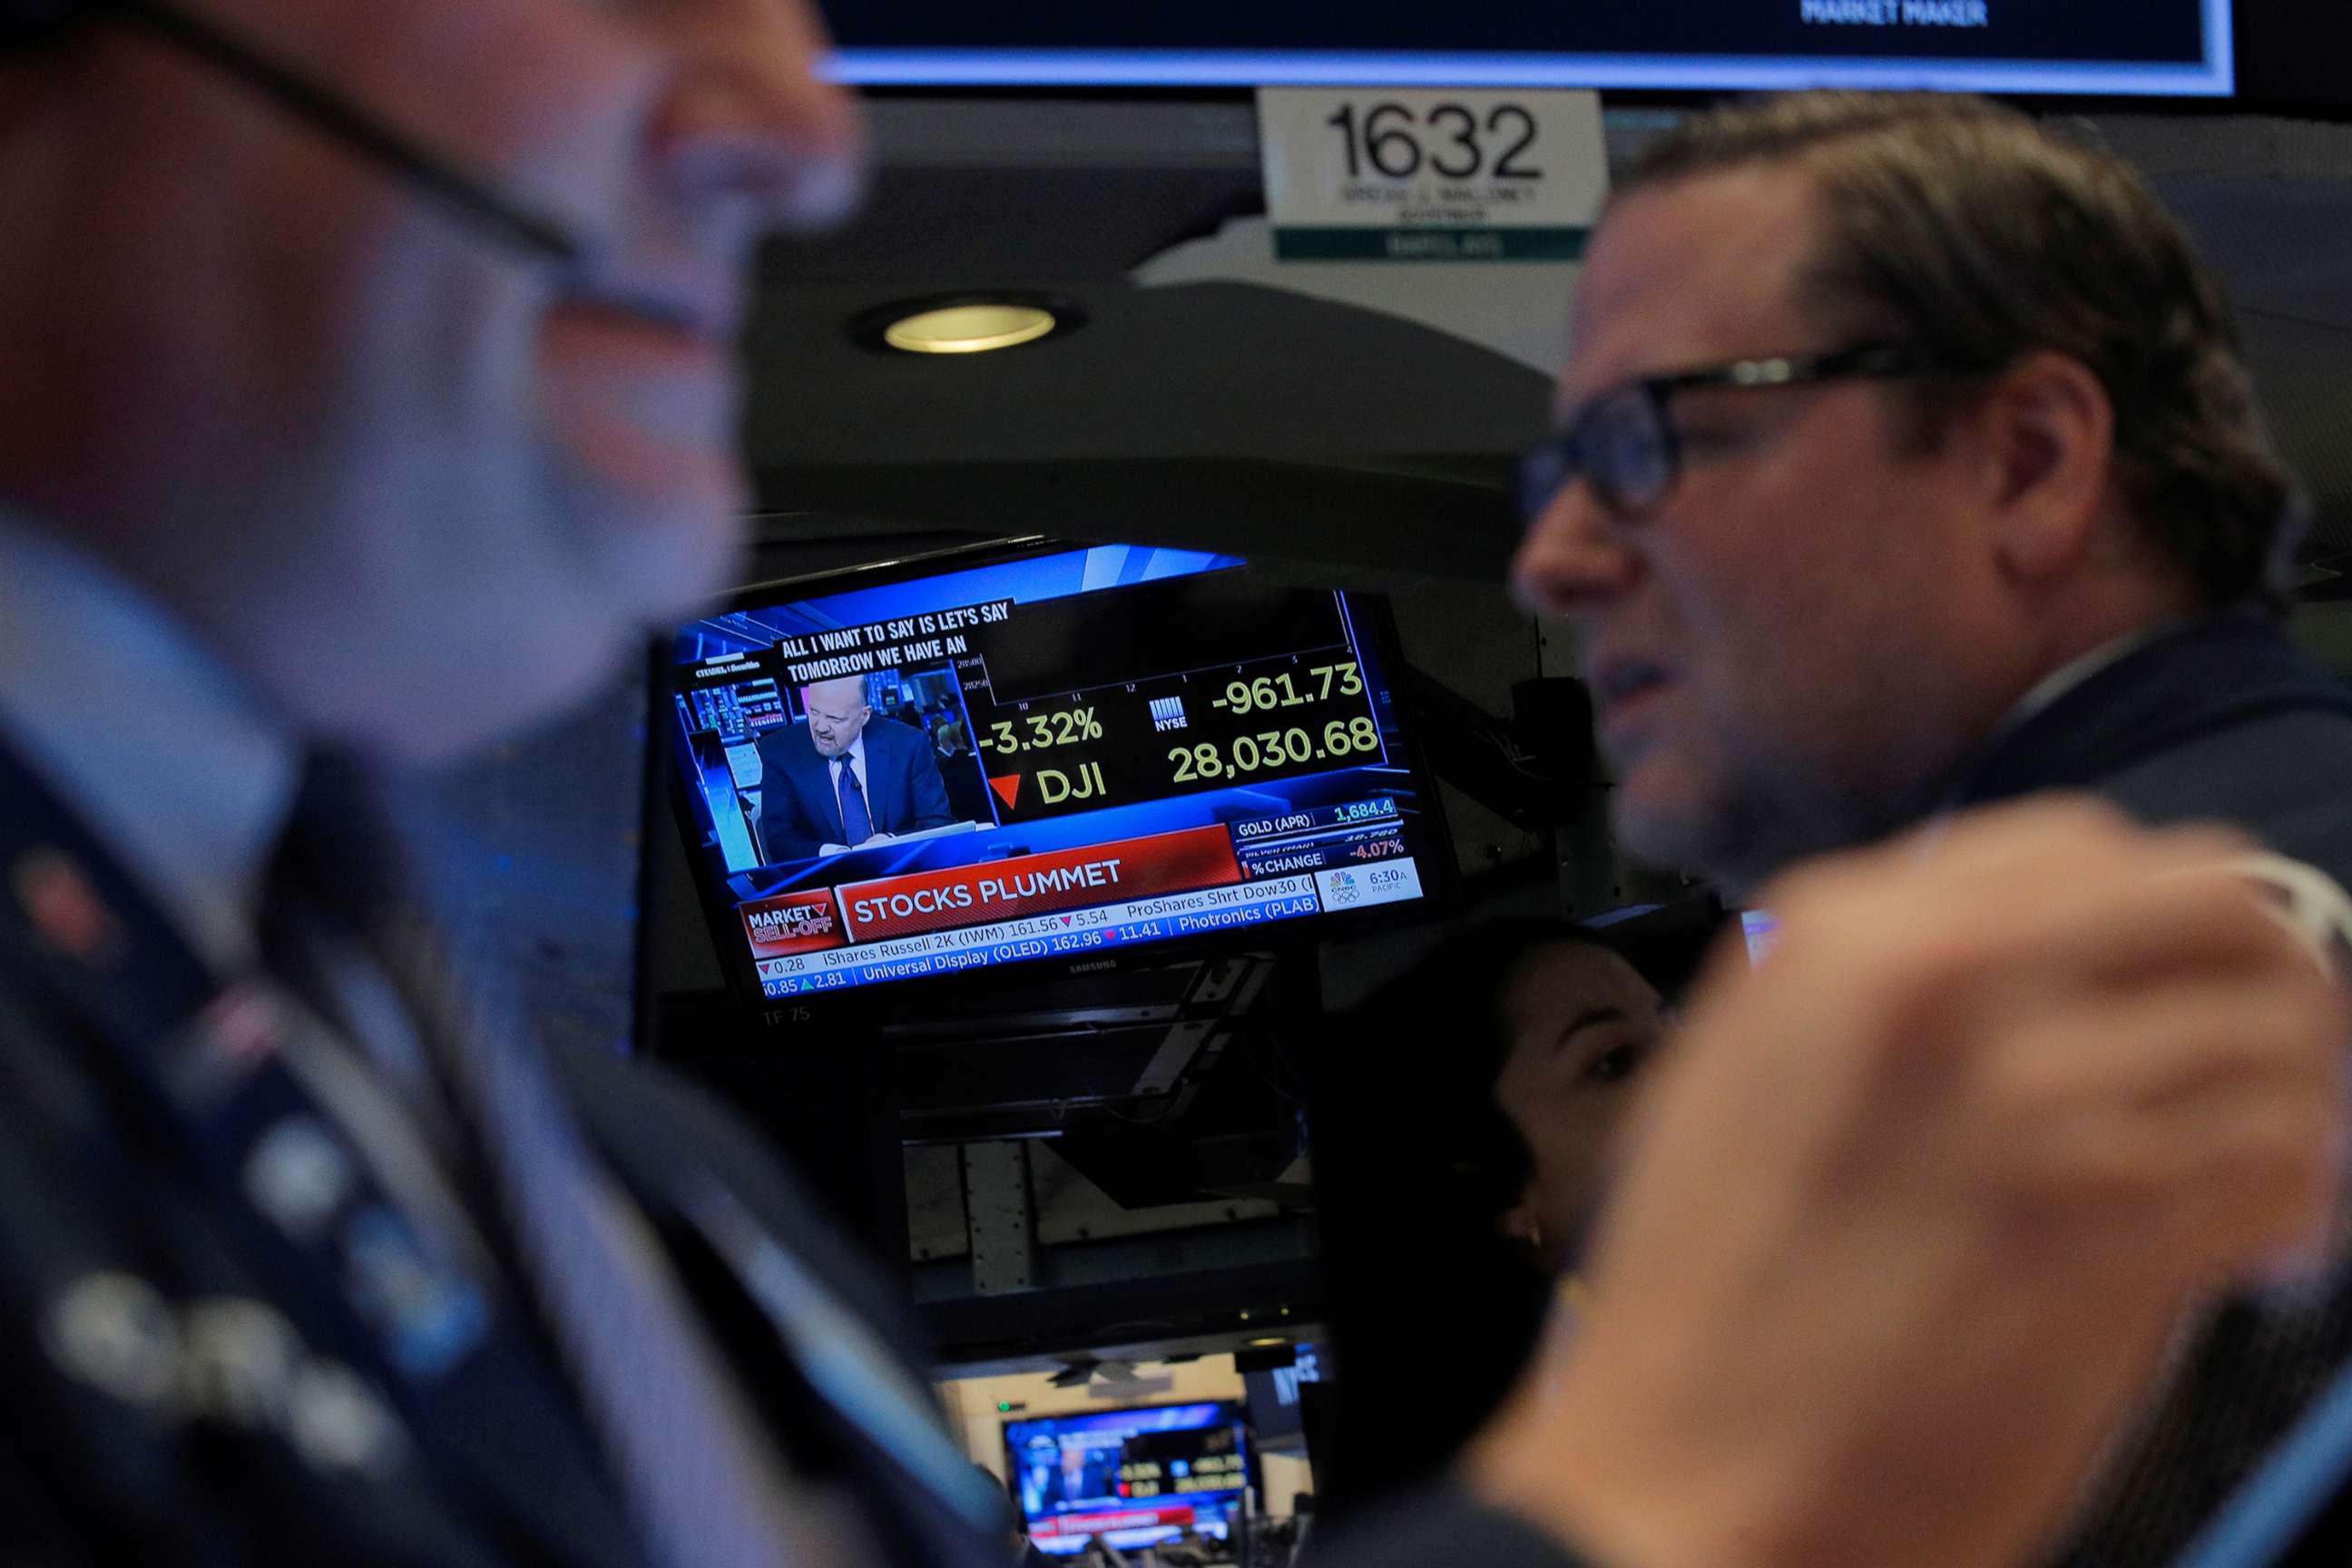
x: 1580, y: 1025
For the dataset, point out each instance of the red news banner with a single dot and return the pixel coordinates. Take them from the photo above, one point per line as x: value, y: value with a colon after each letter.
x: 1040, y: 884
x: 1029, y: 885
x: 1069, y: 1524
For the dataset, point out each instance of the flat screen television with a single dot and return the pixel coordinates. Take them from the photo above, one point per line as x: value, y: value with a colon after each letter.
x: 2149, y: 47
x: 1132, y: 1477
x: 1042, y: 757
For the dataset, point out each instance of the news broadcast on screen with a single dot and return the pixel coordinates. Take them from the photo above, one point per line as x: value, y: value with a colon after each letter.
x: 1067, y: 752
x: 1129, y: 1477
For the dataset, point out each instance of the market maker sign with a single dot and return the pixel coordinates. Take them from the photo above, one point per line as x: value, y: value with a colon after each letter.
x: 1895, y: 13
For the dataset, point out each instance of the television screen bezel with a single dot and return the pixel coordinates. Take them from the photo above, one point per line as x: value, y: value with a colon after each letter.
x: 2214, y: 80
x: 1374, y: 621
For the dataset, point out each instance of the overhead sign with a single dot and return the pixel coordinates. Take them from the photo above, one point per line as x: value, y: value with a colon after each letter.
x: 2148, y: 47
x: 1430, y: 175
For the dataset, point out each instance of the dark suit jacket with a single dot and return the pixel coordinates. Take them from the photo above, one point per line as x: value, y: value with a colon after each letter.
x: 2226, y: 720
x: 800, y: 812
x: 88, y: 1480
x: 115, y: 1449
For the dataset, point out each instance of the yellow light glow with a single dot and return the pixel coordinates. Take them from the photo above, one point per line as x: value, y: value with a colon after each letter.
x: 969, y: 329
x: 1261, y: 1344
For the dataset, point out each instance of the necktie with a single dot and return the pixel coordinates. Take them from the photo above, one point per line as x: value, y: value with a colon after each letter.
x: 703, y: 1484
x: 857, y: 823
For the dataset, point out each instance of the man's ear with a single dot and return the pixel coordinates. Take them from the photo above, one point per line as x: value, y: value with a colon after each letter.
x: 2049, y: 431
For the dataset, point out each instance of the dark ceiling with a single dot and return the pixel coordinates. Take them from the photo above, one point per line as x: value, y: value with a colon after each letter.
x: 1316, y: 431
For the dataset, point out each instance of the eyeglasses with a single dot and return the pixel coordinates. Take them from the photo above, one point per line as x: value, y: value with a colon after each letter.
x: 1626, y: 448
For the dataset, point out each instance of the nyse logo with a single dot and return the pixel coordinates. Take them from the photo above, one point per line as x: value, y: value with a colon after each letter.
x: 1307, y: 1367
x: 1168, y: 713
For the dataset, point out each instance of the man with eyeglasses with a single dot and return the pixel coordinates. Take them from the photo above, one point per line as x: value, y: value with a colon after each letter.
x: 1906, y: 462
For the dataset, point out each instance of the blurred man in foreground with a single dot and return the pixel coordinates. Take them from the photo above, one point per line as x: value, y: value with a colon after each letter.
x: 386, y: 441
x: 1907, y: 462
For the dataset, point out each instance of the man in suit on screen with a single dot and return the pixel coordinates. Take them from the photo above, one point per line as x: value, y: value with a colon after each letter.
x: 842, y: 781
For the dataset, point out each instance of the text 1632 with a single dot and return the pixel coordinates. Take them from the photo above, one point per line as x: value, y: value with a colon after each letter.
x: 1451, y: 142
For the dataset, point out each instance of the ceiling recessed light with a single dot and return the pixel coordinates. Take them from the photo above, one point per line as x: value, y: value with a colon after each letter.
x: 1261, y: 1344
x: 969, y: 329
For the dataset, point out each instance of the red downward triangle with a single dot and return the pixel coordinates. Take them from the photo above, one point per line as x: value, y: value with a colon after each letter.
x: 1008, y: 789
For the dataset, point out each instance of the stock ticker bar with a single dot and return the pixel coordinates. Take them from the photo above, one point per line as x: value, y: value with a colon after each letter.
x: 826, y: 962
x: 1141, y: 921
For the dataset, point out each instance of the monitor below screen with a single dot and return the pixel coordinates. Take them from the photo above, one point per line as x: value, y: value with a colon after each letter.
x: 1130, y: 1477
x: 1062, y: 755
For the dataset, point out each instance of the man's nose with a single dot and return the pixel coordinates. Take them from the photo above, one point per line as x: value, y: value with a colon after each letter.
x: 1575, y: 556
x: 748, y: 117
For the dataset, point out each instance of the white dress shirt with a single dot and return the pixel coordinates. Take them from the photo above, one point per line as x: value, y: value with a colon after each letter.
x: 2072, y: 674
